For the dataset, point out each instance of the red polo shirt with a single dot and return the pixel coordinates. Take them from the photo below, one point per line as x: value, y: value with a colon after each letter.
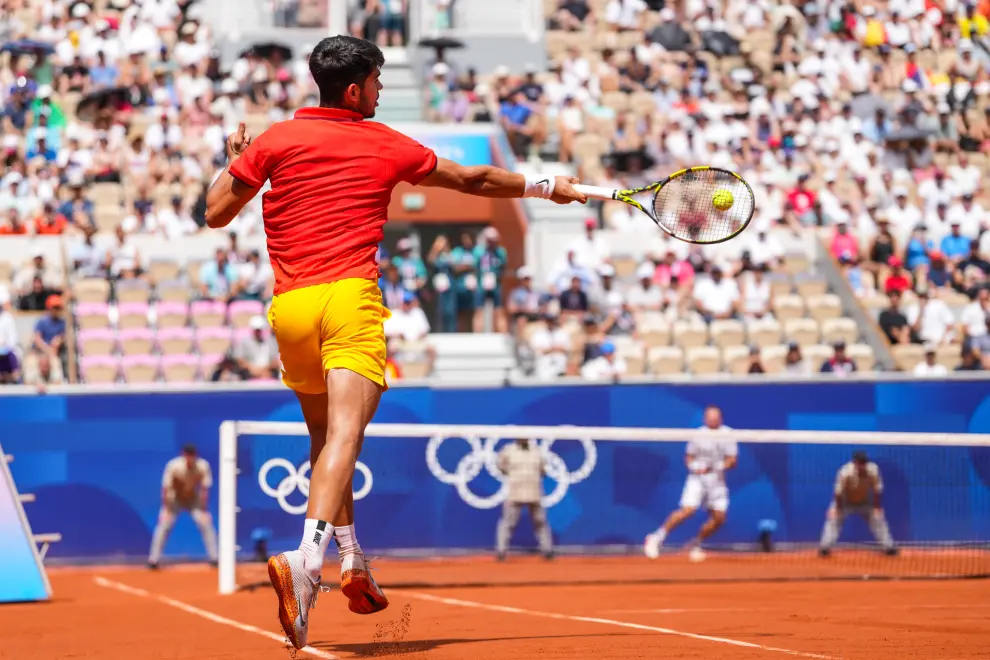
x: 332, y: 175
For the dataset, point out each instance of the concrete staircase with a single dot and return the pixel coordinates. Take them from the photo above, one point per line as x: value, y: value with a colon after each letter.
x: 402, y: 97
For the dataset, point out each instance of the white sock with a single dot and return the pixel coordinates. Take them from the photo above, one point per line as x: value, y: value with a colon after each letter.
x: 347, y: 543
x: 316, y: 537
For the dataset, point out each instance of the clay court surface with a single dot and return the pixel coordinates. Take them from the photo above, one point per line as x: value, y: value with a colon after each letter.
x: 477, y: 609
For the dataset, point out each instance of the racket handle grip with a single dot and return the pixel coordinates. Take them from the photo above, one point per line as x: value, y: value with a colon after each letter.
x: 598, y: 192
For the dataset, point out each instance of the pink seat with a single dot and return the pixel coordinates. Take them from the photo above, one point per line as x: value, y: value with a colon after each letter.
x: 96, y: 341
x: 137, y: 333
x: 210, y: 361
x: 213, y: 339
x: 240, y: 311
x: 99, y: 368
x: 92, y: 309
x: 171, y: 314
x: 208, y: 307
x: 132, y: 315
x: 140, y: 368
x: 182, y: 368
x: 175, y: 340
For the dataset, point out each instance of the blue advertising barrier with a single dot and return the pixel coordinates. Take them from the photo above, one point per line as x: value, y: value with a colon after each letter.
x: 94, y: 461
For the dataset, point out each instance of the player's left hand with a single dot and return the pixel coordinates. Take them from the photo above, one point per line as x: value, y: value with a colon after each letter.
x: 564, y: 193
x: 238, y: 141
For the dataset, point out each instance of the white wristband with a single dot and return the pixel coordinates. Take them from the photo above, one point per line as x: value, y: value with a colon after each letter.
x: 539, y: 186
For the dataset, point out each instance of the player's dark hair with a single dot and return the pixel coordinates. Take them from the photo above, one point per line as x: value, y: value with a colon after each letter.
x: 341, y: 61
x: 189, y: 450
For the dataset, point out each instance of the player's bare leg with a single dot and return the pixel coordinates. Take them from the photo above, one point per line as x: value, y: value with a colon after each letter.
x: 654, y: 541
x: 715, y: 520
x: 352, y: 401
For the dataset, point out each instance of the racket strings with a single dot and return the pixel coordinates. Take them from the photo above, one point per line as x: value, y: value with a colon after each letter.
x: 686, y: 206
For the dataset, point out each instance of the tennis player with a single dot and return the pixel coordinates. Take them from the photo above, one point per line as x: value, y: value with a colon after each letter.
x: 708, y: 456
x: 858, y: 491
x: 186, y: 484
x: 332, y: 174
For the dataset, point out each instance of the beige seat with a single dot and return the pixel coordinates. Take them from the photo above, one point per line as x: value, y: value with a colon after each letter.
x: 727, y: 332
x: 92, y: 321
x: 862, y: 355
x: 665, y: 360
x: 875, y: 301
x: 703, y: 360
x: 907, y: 356
x: 6, y: 270
x: 132, y: 318
x: 949, y: 355
x: 736, y: 359
x: 130, y: 291
x: 804, y: 332
x: 773, y: 358
x: 163, y: 270
x: 781, y: 285
x: 90, y: 289
x: 415, y: 369
x: 180, y: 372
x: 173, y: 291
x: 101, y: 374
x: 841, y: 329
x: 796, y: 262
x: 141, y: 374
x: 634, y: 355
x: 788, y: 307
x: 808, y: 287
x: 689, y: 334
x: 625, y: 266
x: 826, y: 306
x: 764, y: 332
x: 815, y: 355
x: 654, y: 330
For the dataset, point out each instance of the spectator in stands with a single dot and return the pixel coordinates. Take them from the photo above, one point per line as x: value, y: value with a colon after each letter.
x: 931, y: 319
x: 523, y: 304
x: 844, y: 244
x: 918, y: 249
x: 898, y: 279
x: 78, y: 209
x: 441, y: 262
x: 491, y: 259
x: 839, y: 364
x: 606, y: 367
x: 124, y: 257
x: 938, y: 275
x: 645, y: 296
x: 883, y: 246
x: 465, y: 266
x: 755, y: 365
x: 755, y: 293
x: 408, y: 322
x: 40, y: 371
x: 621, y: 322
x: 607, y: 298
x: 218, y: 279
x: 929, y: 367
x: 551, y: 344
x: 894, y: 323
x: 562, y: 274
x: 717, y: 297
x: 10, y: 370
x: 955, y: 246
x: 972, y: 320
x: 256, y: 278
x: 256, y: 354
x: 794, y: 364
x: 574, y: 301
x: 591, y: 249
x: 49, y: 331
x: 412, y: 270
x: 393, y: 291
x: 970, y: 360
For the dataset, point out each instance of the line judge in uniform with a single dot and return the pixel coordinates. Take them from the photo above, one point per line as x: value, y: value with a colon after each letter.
x: 186, y: 484
x: 858, y: 490
x: 524, y: 467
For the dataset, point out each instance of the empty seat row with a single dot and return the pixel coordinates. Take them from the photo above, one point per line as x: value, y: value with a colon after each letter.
x: 145, y: 369
x: 143, y: 341
x: 702, y: 360
x: 166, y: 314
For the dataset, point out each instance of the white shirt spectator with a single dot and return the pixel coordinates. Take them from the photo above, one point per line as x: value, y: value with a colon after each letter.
x: 591, y: 251
x: 931, y: 194
x: 764, y: 248
x: 925, y: 369
x: 157, y: 135
x: 973, y: 319
x: 409, y: 324
x: 716, y: 298
x: 970, y: 220
x: 8, y: 326
x: 936, y: 321
x: 602, y: 369
x: 550, y: 346
x: 176, y: 224
x: 256, y: 277
x: 625, y: 13
x: 967, y: 179
x: 649, y: 297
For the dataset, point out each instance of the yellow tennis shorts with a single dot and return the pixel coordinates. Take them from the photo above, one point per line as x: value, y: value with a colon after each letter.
x: 330, y: 326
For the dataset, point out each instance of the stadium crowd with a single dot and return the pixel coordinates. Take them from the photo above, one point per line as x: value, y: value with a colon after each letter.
x: 865, y: 121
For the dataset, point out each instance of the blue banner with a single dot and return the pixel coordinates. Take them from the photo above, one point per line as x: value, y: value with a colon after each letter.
x: 95, y: 462
x: 465, y: 149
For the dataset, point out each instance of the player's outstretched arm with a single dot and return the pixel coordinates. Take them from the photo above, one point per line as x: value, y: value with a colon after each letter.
x: 228, y: 194
x: 489, y: 181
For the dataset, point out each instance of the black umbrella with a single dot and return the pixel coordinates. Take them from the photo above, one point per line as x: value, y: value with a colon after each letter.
x: 441, y: 43
x: 91, y: 104
x: 27, y: 47
x: 268, y: 49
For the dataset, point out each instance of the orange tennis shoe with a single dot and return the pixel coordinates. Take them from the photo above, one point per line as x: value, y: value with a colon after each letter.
x: 296, y: 592
x: 358, y: 584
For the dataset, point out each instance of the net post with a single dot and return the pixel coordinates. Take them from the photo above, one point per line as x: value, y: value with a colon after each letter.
x: 227, y: 514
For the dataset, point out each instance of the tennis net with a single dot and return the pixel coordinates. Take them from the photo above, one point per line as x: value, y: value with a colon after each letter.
x: 436, y: 490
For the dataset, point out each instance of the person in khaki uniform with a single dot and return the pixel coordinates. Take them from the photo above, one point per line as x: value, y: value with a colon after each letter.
x: 524, y: 467
x: 185, y: 486
x: 858, y: 490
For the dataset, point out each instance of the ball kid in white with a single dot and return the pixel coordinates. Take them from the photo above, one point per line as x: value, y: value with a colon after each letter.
x: 707, y: 456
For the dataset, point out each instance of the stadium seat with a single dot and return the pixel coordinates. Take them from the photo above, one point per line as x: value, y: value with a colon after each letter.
x: 809, y: 285
x: 91, y: 315
x: 773, y: 358
x: 213, y: 340
x: 841, y: 329
x: 689, y: 334
x: 175, y: 341
x: 665, y: 360
x: 136, y: 341
x: 132, y: 315
x: 654, y: 330
x: 780, y: 284
x: 239, y: 312
x: 907, y: 356
x: 208, y: 313
x: 173, y: 291
x: 415, y: 369
x: 727, y: 332
x: 140, y: 369
x: 862, y: 355
x: 704, y: 360
x: 171, y: 314
x: 6, y: 270
x: 163, y: 270
x: 736, y: 359
x: 132, y: 291
x: 764, y: 332
x: 99, y: 369
x: 827, y: 306
x: 788, y: 307
x: 180, y: 368
x: 816, y: 354
x: 97, y: 341
x: 90, y: 290
x: 796, y: 262
x: 949, y: 355
x: 804, y: 332
x: 208, y: 363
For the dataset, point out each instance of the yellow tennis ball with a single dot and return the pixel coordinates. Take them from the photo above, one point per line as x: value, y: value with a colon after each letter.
x: 722, y: 200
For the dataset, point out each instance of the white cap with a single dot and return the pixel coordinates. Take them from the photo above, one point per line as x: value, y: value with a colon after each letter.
x: 524, y: 272
x: 868, y: 11
x: 257, y: 322
x: 80, y: 10
x: 900, y: 191
x: 188, y: 29
x: 830, y: 177
x: 11, y: 141
x: 228, y: 86
x: 645, y: 271
x: 530, y: 68
x: 440, y: 69
x: 501, y: 71
x: 909, y: 86
x: 606, y: 270
x: 403, y: 244
x: 4, y: 295
x: 667, y: 14
x: 260, y: 75
x: 943, y: 109
x: 965, y: 46
x: 44, y: 91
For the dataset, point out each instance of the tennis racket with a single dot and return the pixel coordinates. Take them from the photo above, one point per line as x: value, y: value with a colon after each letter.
x: 702, y: 205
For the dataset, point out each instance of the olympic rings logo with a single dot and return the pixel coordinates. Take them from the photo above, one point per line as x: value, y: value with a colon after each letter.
x: 483, y: 456
x: 298, y: 479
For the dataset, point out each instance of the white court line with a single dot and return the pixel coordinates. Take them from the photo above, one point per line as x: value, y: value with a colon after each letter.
x: 209, y: 616
x: 682, y: 610
x: 703, y: 610
x: 609, y: 622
